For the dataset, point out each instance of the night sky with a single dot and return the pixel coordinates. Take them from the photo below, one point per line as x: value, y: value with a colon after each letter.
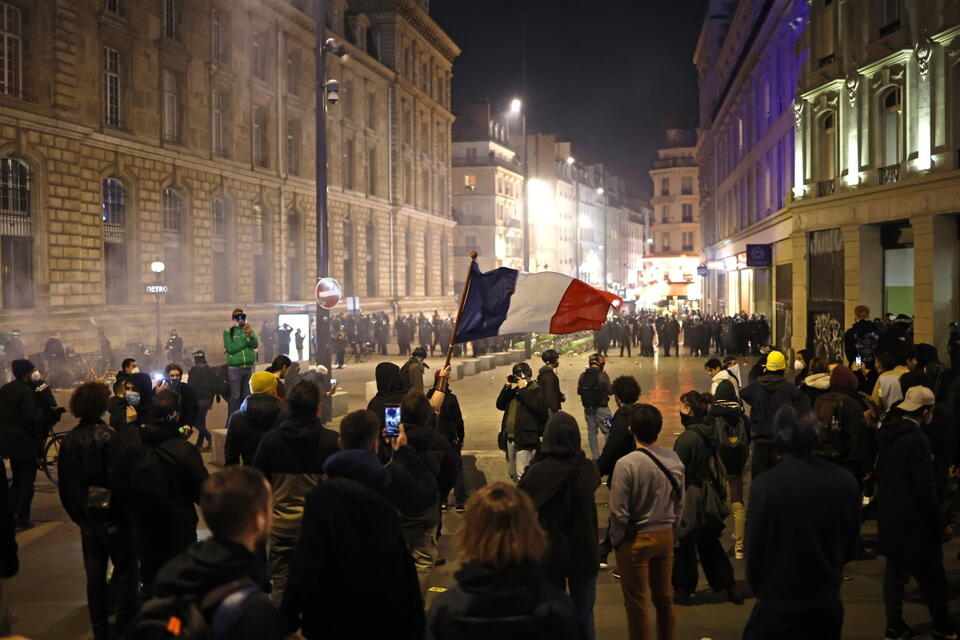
x: 604, y: 74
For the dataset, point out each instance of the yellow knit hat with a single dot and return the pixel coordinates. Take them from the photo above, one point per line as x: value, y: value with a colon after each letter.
x: 263, y: 382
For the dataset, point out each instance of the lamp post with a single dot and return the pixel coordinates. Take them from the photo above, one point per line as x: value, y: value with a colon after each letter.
x: 516, y: 108
x: 158, y: 268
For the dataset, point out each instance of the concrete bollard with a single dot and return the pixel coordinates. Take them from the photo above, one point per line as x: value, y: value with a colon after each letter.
x: 339, y: 404
x: 218, y: 442
x: 469, y: 368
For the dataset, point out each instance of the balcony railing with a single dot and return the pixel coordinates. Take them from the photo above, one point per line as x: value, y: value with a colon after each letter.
x: 513, y: 165
x: 666, y: 163
x: 890, y: 174
x: 826, y: 187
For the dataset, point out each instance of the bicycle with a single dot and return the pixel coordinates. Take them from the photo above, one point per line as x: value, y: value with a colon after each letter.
x: 49, y: 462
x: 361, y: 351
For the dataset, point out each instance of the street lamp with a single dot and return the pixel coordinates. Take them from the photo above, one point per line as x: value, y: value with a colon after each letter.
x: 158, y: 268
x: 516, y: 108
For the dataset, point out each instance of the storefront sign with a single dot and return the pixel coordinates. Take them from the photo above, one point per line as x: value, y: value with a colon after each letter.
x: 759, y: 255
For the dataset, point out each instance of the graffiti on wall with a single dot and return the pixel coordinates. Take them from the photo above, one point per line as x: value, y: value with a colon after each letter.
x: 827, y: 336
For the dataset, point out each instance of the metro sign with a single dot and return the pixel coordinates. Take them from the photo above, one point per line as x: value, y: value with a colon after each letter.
x: 156, y: 288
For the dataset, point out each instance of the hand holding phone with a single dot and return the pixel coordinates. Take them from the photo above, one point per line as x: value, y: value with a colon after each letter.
x: 391, y: 420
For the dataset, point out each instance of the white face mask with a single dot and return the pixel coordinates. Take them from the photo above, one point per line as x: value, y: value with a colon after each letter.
x: 798, y: 364
x: 35, y: 376
x: 135, y: 370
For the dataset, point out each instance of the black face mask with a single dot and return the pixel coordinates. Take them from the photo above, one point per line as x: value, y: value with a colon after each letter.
x: 687, y: 420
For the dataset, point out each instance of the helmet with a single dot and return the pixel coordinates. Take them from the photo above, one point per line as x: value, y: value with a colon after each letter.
x: 420, y: 352
x: 199, y: 355
x: 597, y: 359
x: 522, y: 370
x: 550, y: 356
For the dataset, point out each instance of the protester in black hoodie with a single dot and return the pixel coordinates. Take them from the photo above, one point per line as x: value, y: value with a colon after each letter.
x: 450, y: 425
x: 390, y: 389
x: 561, y: 481
x: 501, y: 591
x: 92, y: 491
x: 258, y: 413
x: 802, y: 527
x: 292, y: 457
x: 170, y: 474
x: 351, y: 543
x: 765, y: 396
x: 9, y: 561
x: 236, y: 506
x: 909, y: 521
x: 203, y: 381
x: 696, y: 447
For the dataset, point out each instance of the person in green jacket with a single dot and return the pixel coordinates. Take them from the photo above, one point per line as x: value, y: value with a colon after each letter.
x: 239, y: 343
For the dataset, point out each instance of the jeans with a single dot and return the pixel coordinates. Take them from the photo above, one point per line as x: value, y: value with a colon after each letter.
x: 203, y: 406
x: 239, y: 379
x: 704, y: 542
x: 583, y: 592
x: 646, y: 564
x: 764, y: 456
x: 423, y: 547
x: 279, y: 553
x: 102, y: 542
x: 24, y: 471
x: 518, y: 460
x: 822, y: 623
x: 924, y: 561
x: 596, y: 419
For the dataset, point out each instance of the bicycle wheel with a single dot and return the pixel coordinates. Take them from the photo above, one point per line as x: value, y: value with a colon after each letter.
x: 363, y: 354
x: 51, y: 458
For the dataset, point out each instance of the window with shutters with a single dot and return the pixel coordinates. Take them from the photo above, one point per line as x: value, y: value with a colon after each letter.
x: 114, y: 241
x: 16, y: 234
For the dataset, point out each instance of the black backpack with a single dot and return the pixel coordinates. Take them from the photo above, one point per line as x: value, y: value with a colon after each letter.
x: 731, y: 438
x: 190, y: 618
x: 591, y: 390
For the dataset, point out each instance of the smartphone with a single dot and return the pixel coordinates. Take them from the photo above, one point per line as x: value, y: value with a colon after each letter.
x: 391, y: 420
x: 859, y: 361
x: 333, y: 382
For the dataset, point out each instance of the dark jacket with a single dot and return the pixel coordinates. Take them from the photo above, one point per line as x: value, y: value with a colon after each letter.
x: 9, y: 562
x: 531, y: 414
x: 412, y: 374
x: 908, y: 512
x: 213, y: 563
x: 695, y: 446
x: 619, y: 442
x: 91, y: 455
x: 803, y: 520
x: 182, y: 470
x: 561, y: 481
x: 292, y: 458
x: 205, y: 382
x: 351, y: 530
x: 406, y: 481
x: 450, y: 419
x: 765, y: 395
x: 733, y: 458
x: 258, y: 414
x: 594, y: 389
x: 550, y: 383
x: 436, y: 452
x: 25, y: 417
x: 515, y: 601
x: 390, y: 389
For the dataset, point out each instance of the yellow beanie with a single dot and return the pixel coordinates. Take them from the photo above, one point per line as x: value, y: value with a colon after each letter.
x: 263, y: 382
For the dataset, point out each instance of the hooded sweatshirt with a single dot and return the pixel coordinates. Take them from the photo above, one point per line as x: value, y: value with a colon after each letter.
x: 213, y: 563
x: 765, y: 396
x: 390, y: 389
x: 258, y: 414
x: 887, y: 391
x: 292, y: 458
x: 561, y: 481
x: 695, y: 447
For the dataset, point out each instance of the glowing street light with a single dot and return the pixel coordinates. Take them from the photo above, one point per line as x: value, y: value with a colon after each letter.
x: 570, y: 160
x: 157, y: 267
x: 516, y: 105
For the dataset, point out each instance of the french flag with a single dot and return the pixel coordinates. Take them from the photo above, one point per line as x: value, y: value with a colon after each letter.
x: 505, y: 301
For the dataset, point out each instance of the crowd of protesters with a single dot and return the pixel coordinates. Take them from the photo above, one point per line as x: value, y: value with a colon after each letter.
x: 313, y: 527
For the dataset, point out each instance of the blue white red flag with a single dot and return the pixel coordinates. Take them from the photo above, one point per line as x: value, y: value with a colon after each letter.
x: 505, y: 301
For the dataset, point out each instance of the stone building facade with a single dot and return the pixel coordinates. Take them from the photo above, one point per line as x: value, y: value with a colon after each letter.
x: 183, y: 130
x: 672, y: 258
x: 865, y: 132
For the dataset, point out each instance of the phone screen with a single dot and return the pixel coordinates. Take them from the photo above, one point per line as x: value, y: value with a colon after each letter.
x: 333, y: 382
x: 859, y: 361
x: 391, y: 420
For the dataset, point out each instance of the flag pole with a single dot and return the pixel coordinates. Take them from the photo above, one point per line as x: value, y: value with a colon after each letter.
x: 463, y: 302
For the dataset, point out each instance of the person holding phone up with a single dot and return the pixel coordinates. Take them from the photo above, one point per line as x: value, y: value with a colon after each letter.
x: 240, y: 344
x: 524, y: 417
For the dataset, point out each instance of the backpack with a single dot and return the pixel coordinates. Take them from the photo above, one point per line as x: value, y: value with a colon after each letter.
x: 190, y: 618
x: 732, y: 438
x: 147, y: 480
x: 591, y: 391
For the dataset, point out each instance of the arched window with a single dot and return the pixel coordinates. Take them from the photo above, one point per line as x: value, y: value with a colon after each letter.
x: 221, y: 264
x: 827, y: 146
x: 172, y: 244
x: 427, y: 267
x: 349, y: 251
x: 261, y: 256
x: 16, y: 239
x: 891, y: 114
x: 370, y: 240
x: 294, y: 269
x: 114, y: 241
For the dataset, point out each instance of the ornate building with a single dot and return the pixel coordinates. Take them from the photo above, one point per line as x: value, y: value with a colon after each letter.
x: 855, y: 104
x: 183, y: 130
x: 674, y: 253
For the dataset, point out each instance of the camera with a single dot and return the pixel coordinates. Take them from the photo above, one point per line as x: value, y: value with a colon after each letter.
x: 332, y: 88
x: 512, y: 379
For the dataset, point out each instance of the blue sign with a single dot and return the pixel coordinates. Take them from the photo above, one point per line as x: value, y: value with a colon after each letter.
x: 759, y: 255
